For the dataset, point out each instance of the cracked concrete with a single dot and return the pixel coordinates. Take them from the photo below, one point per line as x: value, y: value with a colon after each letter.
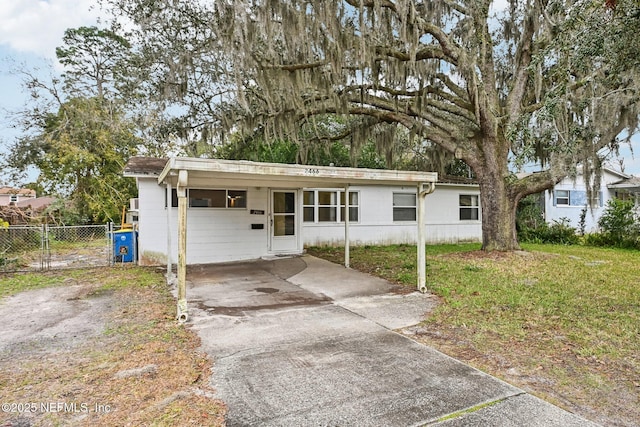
x: 305, y: 342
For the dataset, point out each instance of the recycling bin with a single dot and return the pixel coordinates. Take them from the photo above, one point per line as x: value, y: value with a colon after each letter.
x: 124, y: 245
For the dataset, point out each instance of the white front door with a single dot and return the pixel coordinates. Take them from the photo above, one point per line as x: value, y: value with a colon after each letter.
x: 284, y: 221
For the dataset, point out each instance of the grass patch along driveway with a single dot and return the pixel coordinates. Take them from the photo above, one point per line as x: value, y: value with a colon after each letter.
x: 99, y: 347
x: 560, y: 322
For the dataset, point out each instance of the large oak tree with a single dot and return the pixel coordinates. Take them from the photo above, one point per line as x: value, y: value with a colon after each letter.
x: 550, y: 81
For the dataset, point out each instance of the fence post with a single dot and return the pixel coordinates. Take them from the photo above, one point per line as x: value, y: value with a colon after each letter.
x: 42, y: 231
x: 109, y: 226
x: 46, y: 253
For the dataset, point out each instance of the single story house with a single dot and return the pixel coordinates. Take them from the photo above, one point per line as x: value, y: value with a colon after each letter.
x: 568, y: 198
x: 193, y: 211
x: 232, y: 218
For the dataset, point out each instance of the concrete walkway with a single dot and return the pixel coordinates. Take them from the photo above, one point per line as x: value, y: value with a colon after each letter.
x: 304, y: 342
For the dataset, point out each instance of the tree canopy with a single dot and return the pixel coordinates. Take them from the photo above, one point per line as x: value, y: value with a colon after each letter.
x: 547, y: 81
x: 76, y: 132
x: 80, y: 152
x: 496, y: 86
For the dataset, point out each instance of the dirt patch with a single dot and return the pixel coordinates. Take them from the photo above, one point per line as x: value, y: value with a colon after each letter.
x: 84, y: 355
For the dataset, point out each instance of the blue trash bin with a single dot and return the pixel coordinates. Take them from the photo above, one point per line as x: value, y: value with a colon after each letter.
x: 124, y: 245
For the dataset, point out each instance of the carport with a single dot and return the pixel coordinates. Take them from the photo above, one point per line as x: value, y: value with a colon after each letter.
x: 182, y: 173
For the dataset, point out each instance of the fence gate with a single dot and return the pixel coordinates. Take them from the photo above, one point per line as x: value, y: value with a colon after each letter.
x: 35, y: 248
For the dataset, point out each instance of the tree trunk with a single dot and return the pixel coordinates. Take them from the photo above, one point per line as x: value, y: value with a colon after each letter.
x: 498, y: 215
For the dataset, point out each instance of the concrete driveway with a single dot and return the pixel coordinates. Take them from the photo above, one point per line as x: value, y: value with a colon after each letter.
x: 304, y: 342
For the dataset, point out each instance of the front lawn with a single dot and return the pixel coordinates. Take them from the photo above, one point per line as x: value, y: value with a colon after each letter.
x: 558, y: 321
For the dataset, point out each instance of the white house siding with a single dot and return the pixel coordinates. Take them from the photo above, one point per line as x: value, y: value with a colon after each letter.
x: 376, y: 225
x: 152, y: 226
x: 220, y: 235
x: 557, y: 212
x: 213, y: 235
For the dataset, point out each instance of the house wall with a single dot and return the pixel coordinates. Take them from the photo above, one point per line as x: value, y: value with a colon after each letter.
x: 376, y: 225
x: 556, y: 212
x: 213, y: 235
x: 5, y: 199
x: 220, y: 235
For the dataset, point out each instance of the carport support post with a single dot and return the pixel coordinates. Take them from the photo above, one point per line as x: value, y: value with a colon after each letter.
x: 346, y: 226
x: 169, y: 249
x: 422, y: 256
x: 182, y: 245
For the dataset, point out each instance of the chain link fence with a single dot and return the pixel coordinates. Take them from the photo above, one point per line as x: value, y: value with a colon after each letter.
x: 37, y: 248
x: 22, y: 248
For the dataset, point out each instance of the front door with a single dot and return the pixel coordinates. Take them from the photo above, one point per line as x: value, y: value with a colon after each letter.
x: 284, y: 233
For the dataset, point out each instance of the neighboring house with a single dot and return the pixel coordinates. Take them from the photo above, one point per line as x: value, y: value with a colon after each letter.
x: 26, y: 211
x: 569, y: 198
x: 244, y: 210
x: 9, y: 195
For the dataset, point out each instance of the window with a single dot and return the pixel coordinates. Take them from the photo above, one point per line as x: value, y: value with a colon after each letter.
x: 353, y: 206
x: 207, y: 198
x: 576, y: 198
x: 329, y: 206
x: 562, y: 197
x: 199, y: 198
x: 469, y: 207
x: 404, y: 206
x: 236, y: 199
x: 309, y: 206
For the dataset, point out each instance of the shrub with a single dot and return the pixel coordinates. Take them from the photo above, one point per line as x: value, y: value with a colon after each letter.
x: 619, y: 220
x: 560, y: 232
x: 529, y: 213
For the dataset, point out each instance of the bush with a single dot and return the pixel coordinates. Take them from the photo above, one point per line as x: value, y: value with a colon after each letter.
x: 619, y: 226
x: 560, y: 232
x: 529, y: 214
x: 619, y: 220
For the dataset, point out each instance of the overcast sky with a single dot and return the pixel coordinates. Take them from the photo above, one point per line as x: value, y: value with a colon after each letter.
x: 30, y: 30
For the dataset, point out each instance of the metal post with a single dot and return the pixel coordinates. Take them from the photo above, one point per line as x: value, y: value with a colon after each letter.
x: 169, y: 248
x: 422, y: 257
x: 109, y: 227
x: 346, y: 226
x: 43, y: 243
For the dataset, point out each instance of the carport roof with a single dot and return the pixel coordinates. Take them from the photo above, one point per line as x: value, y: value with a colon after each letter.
x: 208, y: 172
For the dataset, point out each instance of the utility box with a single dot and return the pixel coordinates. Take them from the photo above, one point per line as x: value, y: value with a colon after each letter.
x: 125, y: 245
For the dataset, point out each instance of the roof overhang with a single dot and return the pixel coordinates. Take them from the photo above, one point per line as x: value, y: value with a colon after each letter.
x: 213, y: 172
x: 632, y: 187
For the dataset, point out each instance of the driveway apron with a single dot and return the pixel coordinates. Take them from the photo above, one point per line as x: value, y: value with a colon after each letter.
x: 304, y: 342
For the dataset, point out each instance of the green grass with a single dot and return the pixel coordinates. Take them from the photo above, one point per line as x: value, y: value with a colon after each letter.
x: 589, y: 295
x: 11, y: 284
x: 113, y: 278
x: 568, y: 313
